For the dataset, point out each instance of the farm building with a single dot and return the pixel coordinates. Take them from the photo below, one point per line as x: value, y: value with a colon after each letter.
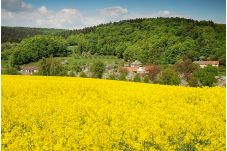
x: 130, y: 69
x: 29, y: 69
x: 135, y: 69
x: 203, y: 64
x: 142, y: 70
x: 136, y: 64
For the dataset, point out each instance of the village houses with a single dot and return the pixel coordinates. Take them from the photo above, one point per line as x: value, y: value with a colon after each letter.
x: 28, y: 69
x: 137, y: 67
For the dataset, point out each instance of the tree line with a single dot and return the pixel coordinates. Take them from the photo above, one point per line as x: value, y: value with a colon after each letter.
x: 157, y: 41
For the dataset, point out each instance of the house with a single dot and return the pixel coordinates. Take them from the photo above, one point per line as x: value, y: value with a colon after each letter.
x: 29, y: 69
x: 142, y: 70
x: 136, y: 64
x: 203, y: 64
x: 130, y: 69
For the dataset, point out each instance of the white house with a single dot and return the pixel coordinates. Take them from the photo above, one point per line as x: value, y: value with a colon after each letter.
x: 136, y: 64
x: 141, y: 70
x: 29, y: 70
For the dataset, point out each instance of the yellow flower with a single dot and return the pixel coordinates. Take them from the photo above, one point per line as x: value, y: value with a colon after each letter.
x: 62, y: 113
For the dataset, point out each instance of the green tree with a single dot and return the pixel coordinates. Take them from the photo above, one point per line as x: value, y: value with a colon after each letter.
x: 146, y: 79
x: 112, y: 77
x: 122, y: 76
x: 51, y: 67
x: 98, y: 69
x: 206, y: 76
x: 193, y: 81
x: 169, y: 76
x: 83, y: 75
x: 34, y: 48
x: 137, y: 78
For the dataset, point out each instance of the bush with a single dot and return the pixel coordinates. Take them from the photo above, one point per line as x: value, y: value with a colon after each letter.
x: 206, y: 76
x: 111, y: 77
x: 51, y: 67
x: 76, y: 67
x: 186, y: 66
x: 122, y: 76
x: 83, y: 75
x: 137, y: 78
x: 193, y: 81
x: 169, y: 76
x: 146, y: 79
x: 10, y: 71
x: 98, y: 68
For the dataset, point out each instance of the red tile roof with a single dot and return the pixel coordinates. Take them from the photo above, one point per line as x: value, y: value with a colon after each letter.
x: 131, y: 69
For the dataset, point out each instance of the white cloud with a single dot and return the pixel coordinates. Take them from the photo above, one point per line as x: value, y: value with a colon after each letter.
x: 19, y: 13
x: 165, y: 13
x: 43, y: 10
x: 113, y: 11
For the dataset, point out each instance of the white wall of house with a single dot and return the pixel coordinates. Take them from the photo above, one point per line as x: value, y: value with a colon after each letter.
x: 141, y: 70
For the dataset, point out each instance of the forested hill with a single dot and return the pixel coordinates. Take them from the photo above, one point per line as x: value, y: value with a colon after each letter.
x: 160, y: 40
x: 156, y: 40
x: 16, y: 34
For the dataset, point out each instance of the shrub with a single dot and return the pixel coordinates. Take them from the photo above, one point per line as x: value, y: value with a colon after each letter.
x: 137, y: 78
x: 111, y: 77
x: 146, y: 79
x: 98, y: 68
x: 123, y: 76
x: 193, y: 81
x: 206, y: 76
x: 169, y: 76
x: 83, y: 75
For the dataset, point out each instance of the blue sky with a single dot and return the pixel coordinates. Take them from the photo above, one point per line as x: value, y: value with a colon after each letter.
x: 83, y: 13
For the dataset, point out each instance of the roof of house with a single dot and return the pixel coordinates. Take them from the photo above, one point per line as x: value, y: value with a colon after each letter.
x: 136, y: 63
x: 207, y: 62
x: 131, y: 69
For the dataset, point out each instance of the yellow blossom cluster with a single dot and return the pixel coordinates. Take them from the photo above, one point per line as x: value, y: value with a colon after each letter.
x: 68, y: 113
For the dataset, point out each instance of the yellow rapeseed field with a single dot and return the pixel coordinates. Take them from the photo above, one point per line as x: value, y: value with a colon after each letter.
x: 63, y: 113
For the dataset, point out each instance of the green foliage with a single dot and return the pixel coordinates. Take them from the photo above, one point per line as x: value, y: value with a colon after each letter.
x: 76, y: 67
x: 157, y: 41
x: 186, y: 67
x: 146, y: 79
x: 83, y: 75
x: 112, y: 77
x: 51, y: 67
x: 193, y: 81
x: 16, y: 34
x: 153, y: 41
x: 98, y: 68
x: 137, y: 78
x: 122, y: 76
x: 34, y: 48
x: 10, y: 71
x: 169, y: 76
x: 206, y: 76
x: 211, y: 69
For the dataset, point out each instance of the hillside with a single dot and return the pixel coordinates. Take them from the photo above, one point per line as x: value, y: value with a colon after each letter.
x: 156, y: 40
x: 159, y: 41
x: 16, y: 34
